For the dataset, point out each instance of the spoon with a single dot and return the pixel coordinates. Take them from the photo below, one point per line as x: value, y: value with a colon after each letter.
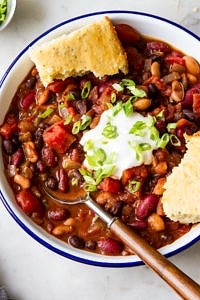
x: 177, y: 279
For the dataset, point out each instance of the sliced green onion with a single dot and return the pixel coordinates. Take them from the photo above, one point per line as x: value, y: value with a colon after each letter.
x: 171, y: 126
x: 3, y: 10
x: 164, y: 140
x: 69, y: 97
x: 127, y: 82
x: 137, y: 128
x: 138, y: 93
x: 46, y: 113
x: 113, y: 98
x: 86, y: 90
x: 134, y: 185
x: 174, y: 140
x: 144, y: 146
x: 97, y: 158
x: 110, y: 131
x: 118, y: 87
x: 117, y: 108
x: 154, y: 134
x: 68, y: 119
x: 128, y: 107
x: 161, y: 115
x: 81, y: 124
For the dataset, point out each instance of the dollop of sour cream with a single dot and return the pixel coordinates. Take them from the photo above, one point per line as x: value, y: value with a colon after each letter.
x: 120, y: 142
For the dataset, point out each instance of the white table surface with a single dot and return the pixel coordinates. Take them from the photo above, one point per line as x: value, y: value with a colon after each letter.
x: 28, y: 270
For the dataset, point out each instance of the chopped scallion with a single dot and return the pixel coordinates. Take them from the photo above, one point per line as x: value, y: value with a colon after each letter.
x: 86, y: 90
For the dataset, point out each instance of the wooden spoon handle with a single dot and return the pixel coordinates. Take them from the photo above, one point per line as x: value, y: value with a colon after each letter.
x: 178, y: 280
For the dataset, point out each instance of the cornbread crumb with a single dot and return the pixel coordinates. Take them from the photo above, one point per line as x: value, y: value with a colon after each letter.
x: 93, y: 48
x: 181, y: 198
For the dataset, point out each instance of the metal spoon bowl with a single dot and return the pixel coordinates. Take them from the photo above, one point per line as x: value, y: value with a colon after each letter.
x: 177, y: 279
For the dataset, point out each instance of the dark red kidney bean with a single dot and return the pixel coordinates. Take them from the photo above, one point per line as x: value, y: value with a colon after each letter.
x: 41, y: 166
x: 29, y: 202
x: 138, y: 224
x: 188, y: 99
x: 146, y: 206
x: 57, y: 214
x: 77, y: 242
x: 158, y: 46
x: 160, y: 125
x: 109, y: 246
x: 9, y: 147
x: 17, y: 158
x: 48, y: 156
x: 52, y: 183
x: 63, y: 181
x: 28, y: 99
x: 127, y: 34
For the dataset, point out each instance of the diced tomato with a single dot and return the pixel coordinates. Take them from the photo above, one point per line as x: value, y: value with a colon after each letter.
x: 9, y: 127
x: 58, y: 138
x: 29, y: 202
x: 58, y: 86
x: 127, y: 34
x: 196, y: 104
x: 110, y: 185
x: 172, y: 59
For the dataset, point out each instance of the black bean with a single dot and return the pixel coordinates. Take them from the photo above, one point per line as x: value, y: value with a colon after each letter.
x: 189, y: 115
x: 9, y: 147
x: 77, y: 242
x: 91, y: 244
x: 116, y: 209
x: 30, y: 83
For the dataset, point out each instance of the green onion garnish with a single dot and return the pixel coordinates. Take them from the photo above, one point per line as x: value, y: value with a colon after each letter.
x: 81, y: 124
x: 86, y: 90
x: 46, y: 113
x: 3, y: 11
x: 110, y: 131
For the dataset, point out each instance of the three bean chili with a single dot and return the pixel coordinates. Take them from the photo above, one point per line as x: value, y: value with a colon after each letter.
x: 41, y: 145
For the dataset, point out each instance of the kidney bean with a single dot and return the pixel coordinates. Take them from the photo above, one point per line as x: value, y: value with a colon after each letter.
x: 158, y: 46
x: 17, y: 157
x: 28, y: 99
x: 81, y: 106
x: 146, y: 206
x: 57, y: 214
x: 138, y: 224
x: 48, y: 156
x: 127, y: 33
x: 77, y: 242
x: 29, y: 202
x: 9, y: 147
x: 160, y: 125
x: 188, y: 99
x: 63, y: 182
x: 109, y: 246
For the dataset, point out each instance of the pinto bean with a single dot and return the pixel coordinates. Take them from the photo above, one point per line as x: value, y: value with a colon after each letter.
x: 192, y: 65
x: 22, y: 181
x: 177, y: 93
x: 142, y: 104
x: 156, y: 222
x: 43, y: 96
x: 62, y: 229
x: 30, y: 151
x: 155, y: 69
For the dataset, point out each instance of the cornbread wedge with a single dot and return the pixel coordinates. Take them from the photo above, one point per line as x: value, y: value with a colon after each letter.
x: 93, y: 48
x: 181, y: 198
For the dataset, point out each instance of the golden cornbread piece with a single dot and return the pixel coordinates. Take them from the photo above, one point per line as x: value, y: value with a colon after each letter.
x: 93, y: 48
x: 181, y: 198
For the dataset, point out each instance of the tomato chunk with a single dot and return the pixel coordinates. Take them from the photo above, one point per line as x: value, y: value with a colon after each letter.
x: 110, y: 185
x: 58, y: 138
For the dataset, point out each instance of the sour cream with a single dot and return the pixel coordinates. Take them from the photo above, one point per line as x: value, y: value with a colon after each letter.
x: 126, y: 146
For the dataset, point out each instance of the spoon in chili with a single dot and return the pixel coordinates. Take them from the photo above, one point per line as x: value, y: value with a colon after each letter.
x: 177, y: 279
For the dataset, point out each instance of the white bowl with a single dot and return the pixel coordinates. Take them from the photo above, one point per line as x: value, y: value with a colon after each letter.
x: 9, y: 15
x: 147, y: 24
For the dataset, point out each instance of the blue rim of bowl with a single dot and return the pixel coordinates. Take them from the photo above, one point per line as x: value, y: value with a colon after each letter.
x: 4, y: 201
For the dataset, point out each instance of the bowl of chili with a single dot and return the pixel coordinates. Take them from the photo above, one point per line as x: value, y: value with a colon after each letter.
x: 48, y: 142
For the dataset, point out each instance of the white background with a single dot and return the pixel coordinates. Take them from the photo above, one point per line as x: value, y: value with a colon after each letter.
x: 28, y: 270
